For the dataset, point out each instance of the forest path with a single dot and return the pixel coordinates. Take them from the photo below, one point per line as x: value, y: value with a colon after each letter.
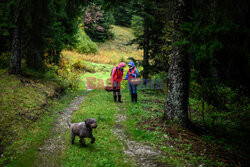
x: 141, y: 154
x: 57, y: 147
x: 49, y: 153
x: 114, y: 144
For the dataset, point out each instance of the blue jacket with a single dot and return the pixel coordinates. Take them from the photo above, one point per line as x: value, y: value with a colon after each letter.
x: 136, y: 74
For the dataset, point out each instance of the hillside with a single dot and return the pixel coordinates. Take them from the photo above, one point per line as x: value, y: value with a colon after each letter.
x: 112, y: 51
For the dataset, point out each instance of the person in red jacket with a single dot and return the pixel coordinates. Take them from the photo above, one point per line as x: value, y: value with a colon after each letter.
x: 116, y: 78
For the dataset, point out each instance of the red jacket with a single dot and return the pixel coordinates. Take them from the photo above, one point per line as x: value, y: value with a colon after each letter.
x: 117, y: 74
x: 131, y: 72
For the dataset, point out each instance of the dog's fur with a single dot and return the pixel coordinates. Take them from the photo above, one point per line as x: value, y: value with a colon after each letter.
x: 83, y: 130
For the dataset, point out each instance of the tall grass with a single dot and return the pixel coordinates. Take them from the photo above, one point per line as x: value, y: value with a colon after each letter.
x: 26, y: 107
x: 112, y: 51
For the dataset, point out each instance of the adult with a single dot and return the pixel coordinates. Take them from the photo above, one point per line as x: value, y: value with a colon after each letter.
x: 132, y: 73
x: 116, y: 78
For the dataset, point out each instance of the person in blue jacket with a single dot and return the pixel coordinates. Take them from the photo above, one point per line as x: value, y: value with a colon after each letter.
x: 132, y: 73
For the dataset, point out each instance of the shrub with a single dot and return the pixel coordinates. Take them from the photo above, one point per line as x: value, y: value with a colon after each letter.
x: 97, y: 23
x: 137, y: 25
x: 85, y: 44
x: 68, y: 71
x: 223, y: 111
x: 4, y: 60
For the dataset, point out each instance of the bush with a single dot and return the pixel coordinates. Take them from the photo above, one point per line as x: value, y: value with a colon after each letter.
x: 123, y: 13
x: 4, y: 60
x: 97, y: 23
x: 85, y: 44
x: 137, y: 25
x: 68, y: 71
x: 223, y: 111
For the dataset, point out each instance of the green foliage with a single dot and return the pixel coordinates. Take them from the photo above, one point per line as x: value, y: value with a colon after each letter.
x: 153, y: 34
x: 61, y: 27
x: 84, y: 44
x: 123, y: 13
x: 137, y: 25
x: 225, y: 113
x: 4, y: 27
x: 68, y: 72
x: 214, y: 38
x: 46, y: 27
x: 202, y: 39
x: 4, y: 60
x: 219, y: 99
x: 97, y: 23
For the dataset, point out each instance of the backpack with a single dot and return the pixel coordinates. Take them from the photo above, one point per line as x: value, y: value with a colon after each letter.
x: 116, y: 68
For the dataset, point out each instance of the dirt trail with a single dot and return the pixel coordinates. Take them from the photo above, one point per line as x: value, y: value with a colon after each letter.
x: 143, y: 155
x: 50, y: 152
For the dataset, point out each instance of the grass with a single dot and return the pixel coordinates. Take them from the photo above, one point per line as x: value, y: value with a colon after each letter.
x: 179, y: 146
x: 97, y: 67
x: 112, y: 51
x: 107, y: 150
x: 33, y: 138
x: 101, y: 76
x: 123, y: 36
x: 144, y: 124
x: 28, y: 109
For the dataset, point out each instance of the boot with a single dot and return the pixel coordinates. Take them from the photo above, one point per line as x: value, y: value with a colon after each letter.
x: 120, y: 98
x: 132, y: 97
x: 115, y: 98
x: 135, y: 97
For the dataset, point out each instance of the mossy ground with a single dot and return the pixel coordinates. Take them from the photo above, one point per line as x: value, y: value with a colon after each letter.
x: 28, y: 109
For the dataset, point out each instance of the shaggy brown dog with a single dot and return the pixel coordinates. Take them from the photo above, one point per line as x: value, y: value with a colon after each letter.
x: 83, y: 130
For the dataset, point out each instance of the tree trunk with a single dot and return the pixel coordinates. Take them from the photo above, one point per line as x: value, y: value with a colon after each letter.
x: 15, y: 59
x: 147, y: 22
x: 176, y: 106
x: 35, y: 52
x: 35, y: 60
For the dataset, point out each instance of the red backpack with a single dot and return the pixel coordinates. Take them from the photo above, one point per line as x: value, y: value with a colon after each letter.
x: 116, y: 68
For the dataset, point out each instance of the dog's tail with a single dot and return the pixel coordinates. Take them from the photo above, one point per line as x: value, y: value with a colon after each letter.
x: 69, y: 123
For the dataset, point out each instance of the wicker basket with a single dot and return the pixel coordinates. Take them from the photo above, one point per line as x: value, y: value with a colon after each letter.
x: 136, y: 81
x: 112, y: 89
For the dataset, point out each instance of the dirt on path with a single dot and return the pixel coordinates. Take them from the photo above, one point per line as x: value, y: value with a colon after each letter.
x: 141, y: 154
x: 50, y: 152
